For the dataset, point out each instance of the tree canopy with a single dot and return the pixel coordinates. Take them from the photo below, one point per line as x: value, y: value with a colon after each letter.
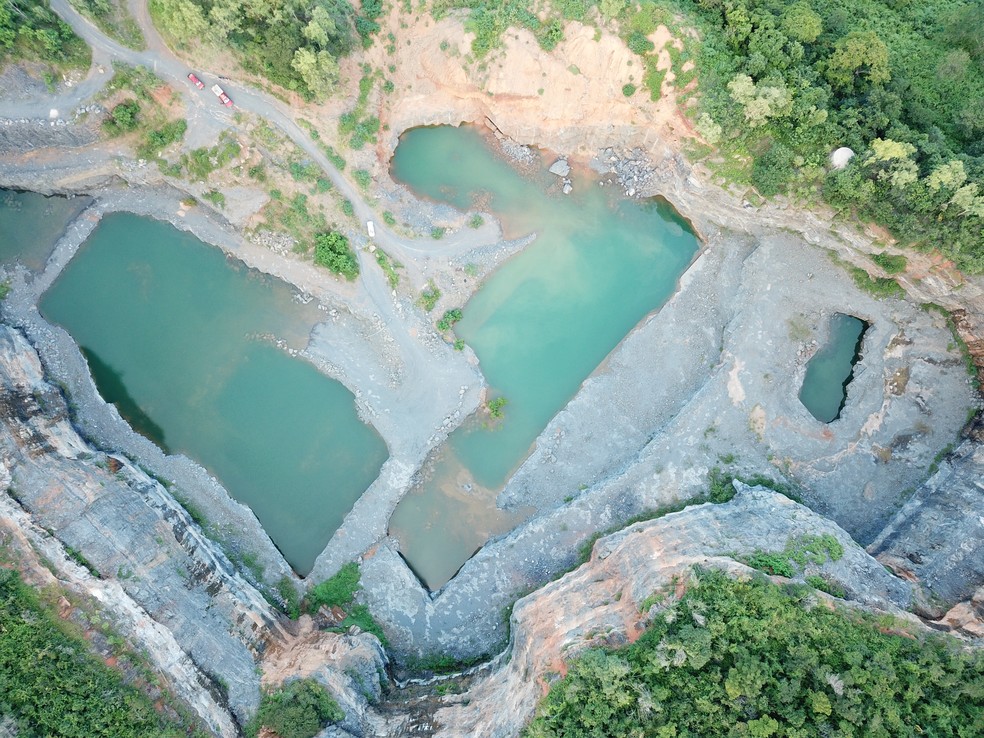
x: 293, y: 43
x: 748, y: 658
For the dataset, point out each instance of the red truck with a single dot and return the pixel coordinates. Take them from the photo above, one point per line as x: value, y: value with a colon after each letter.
x: 195, y: 81
x: 220, y: 93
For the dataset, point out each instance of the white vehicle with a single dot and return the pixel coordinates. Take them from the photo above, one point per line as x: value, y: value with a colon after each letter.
x: 220, y: 93
x: 371, y: 228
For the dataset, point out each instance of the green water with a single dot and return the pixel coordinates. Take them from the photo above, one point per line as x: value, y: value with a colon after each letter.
x: 31, y: 224
x: 180, y: 338
x: 540, y: 325
x: 831, y: 369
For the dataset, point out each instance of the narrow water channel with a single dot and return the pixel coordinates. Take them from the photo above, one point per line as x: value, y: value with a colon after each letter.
x: 540, y: 325
x: 31, y: 224
x: 182, y: 339
x: 831, y: 369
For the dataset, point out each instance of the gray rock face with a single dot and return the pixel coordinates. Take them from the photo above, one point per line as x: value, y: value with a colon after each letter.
x: 560, y: 167
x: 937, y: 538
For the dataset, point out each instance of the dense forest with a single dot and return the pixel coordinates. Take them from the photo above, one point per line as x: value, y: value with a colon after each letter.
x: 901, y: 83
x: 293, y: 43
x: 29, y: 30
x: 783, y: 83
x: 749, y: 658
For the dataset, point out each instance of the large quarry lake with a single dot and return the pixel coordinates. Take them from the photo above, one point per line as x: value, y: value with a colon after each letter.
x: 185, y: 342
x: 540, y: 325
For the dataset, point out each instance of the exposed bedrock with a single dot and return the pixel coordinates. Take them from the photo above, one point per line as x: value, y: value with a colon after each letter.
x: 937, y: 539
x: 168, y: 586
x: 711, y: 379
x: 599, y: 603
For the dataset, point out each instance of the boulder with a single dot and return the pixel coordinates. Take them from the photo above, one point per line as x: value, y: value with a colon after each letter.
x: 840, y: 158
x: 560, y: 167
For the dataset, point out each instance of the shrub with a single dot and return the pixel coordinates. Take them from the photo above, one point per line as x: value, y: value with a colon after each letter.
x: 160, y: 138
x: 476, y: 221
x: 332, y: 250
x: 773, y: 170
x: 347, y: 208
x: 495, y: 407
x: 429, y: 297
x: 51, y: 685
x: 639, y: 44
x: 450, y: 318
x: 891, y: 263
x: 389, y: 219
x: 876, y: 286
x: 629, y: 89
x: 362, y: 178
x: 123, y: 118
x: 301, y: 709
x: 437, y: 232
x: 288, y: 594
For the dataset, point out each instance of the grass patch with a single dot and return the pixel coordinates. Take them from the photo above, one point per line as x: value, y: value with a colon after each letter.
x: 389, y: 267
x: 798, y: 553
x: 338, y: 591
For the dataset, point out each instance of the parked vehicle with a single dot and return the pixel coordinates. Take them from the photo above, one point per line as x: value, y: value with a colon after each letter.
x: 195, y: 81
x: 220, y: 93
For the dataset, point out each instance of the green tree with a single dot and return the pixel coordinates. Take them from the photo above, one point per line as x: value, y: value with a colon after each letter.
x: 318, y: 70
x: 859, y: 54
x: 802, y: 22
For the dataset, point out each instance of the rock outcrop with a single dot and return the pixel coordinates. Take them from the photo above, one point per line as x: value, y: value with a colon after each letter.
x: 599, y: 603
x: 937, y: 539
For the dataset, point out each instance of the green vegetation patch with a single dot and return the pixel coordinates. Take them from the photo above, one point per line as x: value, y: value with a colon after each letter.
x: 51, y: 685
x: 798, y: 553
x: 429, y: 297
x: 336, y: 591
x: 900, y: 83
x: 113, y: 19
x: 891, y: 263
x: 30, y: 31
x: 301, y: 709
x: 293, y: 43
x: 332, y: 250
x: 876, y: 286
x: 749, y: 658
x: 389, y: 267
x: 339, y: 591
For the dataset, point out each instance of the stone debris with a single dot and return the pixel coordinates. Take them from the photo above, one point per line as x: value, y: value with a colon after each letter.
x: 560, y: 167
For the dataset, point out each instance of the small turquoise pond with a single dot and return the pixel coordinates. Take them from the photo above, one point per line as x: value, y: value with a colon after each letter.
x: 539, y: 325
x: 182, y: 339
x: 831, y: 369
